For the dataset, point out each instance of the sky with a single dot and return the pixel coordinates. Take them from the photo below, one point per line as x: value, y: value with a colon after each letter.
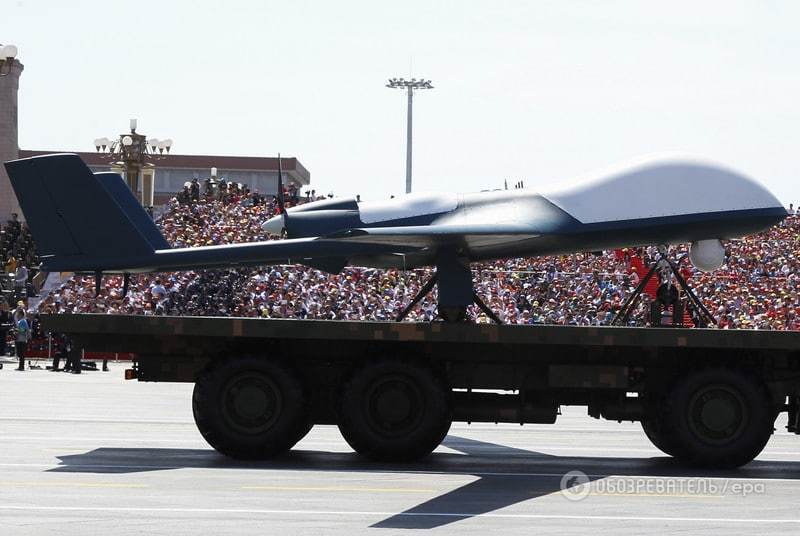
x: 529, y: 90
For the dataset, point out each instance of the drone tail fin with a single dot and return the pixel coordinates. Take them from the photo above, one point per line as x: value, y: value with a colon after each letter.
x: 79, y: 218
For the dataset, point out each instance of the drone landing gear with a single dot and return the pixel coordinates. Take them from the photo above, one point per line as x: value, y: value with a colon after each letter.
x: 667, y: 295
x: 454, y: 280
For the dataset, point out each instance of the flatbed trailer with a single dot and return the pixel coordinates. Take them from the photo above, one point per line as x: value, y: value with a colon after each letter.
x: 707, y: 397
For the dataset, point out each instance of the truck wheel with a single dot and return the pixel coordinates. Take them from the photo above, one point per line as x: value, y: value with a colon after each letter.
x: 653, y: 427
x: 717, y: 417
x: 250, y: 408
x: 394, y: 411
x: 656, y: 436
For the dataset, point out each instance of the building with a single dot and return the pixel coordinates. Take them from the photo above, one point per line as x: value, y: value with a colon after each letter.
x: 174, y: 170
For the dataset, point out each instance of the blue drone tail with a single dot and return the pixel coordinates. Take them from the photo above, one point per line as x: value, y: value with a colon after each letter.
x: 78, y: 218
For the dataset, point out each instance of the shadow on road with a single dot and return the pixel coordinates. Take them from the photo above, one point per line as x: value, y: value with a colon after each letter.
x: 504, y: 475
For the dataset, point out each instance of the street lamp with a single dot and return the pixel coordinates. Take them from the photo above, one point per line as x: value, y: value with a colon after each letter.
x: 7, y: 55
x: 135, y: 152
x: 410, y: 86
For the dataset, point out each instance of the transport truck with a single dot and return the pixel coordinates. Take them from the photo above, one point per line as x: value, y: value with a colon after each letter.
x: 708, y: 397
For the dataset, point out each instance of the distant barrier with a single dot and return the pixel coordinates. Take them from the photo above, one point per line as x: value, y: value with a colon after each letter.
x: 43, y: 348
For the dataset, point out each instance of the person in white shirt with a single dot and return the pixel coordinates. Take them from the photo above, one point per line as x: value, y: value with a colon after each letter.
x: 158, y: 290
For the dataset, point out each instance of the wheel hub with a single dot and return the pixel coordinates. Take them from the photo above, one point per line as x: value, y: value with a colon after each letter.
x: 394, y: 406
x: 717, y: 414
x: 251, y: 403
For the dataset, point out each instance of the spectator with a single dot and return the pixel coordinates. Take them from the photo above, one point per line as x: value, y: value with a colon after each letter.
x: 21, y: 279
x: 22, y: 338
x: 13, y: 223
x: 11, y: 265
x: 194, y: 189
x: 158, y: 291
x: 19, y: 312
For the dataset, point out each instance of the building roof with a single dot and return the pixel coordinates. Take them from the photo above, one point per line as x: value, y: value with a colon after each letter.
x: 291, y: 166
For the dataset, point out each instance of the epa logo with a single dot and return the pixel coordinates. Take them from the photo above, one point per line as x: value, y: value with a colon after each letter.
x: 575, y: 485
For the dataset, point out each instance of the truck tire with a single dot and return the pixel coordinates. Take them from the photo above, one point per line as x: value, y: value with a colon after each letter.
x: 653, y: 426
x: 652, y: 430
x: 394, y: 410
x: 250, y: 408
x: 717, y: 417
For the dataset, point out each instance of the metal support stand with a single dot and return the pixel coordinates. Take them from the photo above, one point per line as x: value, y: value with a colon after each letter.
x: 705, y: 316
x: 485, y: 308
x: 453, y: 279
x: 424, y: 291
x: 126, y: 281
x: 667, y: 269
x: 627, y: 307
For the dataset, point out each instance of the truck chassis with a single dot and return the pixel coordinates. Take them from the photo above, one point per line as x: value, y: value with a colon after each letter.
x: 704, y: 396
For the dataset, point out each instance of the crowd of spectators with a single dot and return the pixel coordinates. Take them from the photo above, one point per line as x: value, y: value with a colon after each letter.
x: 16, y: 241
x: 756, y: 288
x: 17, y: 254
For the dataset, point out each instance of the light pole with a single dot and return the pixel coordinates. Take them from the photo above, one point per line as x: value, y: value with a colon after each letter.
x: 133, y: 150
x: 7, y: 55
x: 409, y: 86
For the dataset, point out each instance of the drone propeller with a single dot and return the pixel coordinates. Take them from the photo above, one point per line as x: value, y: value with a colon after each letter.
x: 278, y: 223
x: 281, y: 200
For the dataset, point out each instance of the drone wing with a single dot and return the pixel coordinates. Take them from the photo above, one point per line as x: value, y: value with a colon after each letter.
x: 91, y: 223
x: 433, y: 236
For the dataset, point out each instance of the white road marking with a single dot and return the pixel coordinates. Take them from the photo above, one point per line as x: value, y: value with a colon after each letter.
x: 121, y: 421
x: 338, y: 488
x: 12, y: 483
x: 360, y: 513
x: 466, y: 472
x: 50, y: 439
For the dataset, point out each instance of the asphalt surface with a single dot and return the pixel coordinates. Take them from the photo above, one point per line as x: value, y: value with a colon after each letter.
x: 93, y: 454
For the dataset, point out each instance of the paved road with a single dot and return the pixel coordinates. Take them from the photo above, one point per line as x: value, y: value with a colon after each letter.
x: 93, y: 454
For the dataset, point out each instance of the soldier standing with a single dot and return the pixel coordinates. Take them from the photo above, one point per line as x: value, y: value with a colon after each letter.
x: 73, y: 359
x: 61, y: 353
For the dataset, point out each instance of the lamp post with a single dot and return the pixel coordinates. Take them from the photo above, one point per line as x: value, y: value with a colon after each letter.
x: 7, y: 55
x: 409, y: 86
x: 134, y: 151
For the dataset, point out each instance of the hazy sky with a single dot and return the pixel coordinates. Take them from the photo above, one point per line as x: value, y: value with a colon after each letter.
x: 539, y: 91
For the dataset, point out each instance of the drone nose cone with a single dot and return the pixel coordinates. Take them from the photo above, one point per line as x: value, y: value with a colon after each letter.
x: 274, y: 225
